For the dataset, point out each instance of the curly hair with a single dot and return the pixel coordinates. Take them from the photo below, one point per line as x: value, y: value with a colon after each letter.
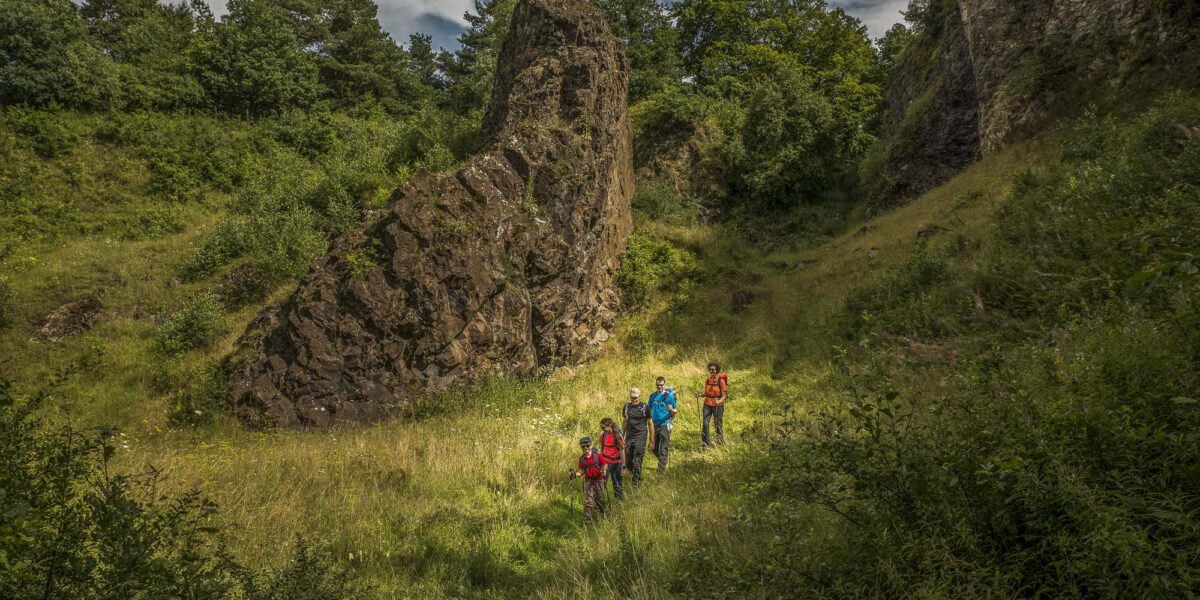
x: 712, y: 365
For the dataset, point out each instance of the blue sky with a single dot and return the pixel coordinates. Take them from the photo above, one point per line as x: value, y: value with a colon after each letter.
x: 443, y: 19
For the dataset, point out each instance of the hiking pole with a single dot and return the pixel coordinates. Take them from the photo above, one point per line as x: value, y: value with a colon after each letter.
x: 700, y: 415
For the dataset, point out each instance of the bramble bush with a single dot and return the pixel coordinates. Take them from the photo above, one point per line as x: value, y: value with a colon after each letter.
x: 1042, y: 442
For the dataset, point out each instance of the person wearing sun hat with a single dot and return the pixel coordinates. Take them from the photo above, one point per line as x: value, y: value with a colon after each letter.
x: 635, y: 422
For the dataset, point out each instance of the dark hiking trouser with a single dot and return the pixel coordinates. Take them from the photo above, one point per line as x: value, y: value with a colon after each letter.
x: 662, y: 444
x: 612, y: 473
x: 593, y: 497
x: 718, y: 416
x: 635, y: 449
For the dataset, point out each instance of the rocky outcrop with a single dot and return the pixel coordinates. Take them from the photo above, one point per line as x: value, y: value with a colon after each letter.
x: 69, y: 320
x: 1034, y: 60
x: 988, y: 71
x: 503, y: 267
x: 932, y: 121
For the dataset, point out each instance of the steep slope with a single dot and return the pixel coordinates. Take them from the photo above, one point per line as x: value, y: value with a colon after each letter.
x: 504, y: 267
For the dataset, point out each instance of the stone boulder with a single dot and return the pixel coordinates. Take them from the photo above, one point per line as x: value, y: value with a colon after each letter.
x: 504, y: 267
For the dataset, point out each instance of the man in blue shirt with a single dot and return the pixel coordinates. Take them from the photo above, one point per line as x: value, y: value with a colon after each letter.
x: 662, y: 410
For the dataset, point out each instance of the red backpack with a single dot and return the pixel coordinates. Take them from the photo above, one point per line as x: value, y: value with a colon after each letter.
x: 610, y: 450
x: 592, y: 466
x: 712, y: 390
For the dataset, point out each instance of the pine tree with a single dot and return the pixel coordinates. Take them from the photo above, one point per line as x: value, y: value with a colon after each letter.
x: 651, y: 44
x: 472, y: 67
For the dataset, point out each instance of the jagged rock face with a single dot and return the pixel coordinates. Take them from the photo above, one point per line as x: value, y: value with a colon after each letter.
x: 933, y: 117
x: 1031, y: 57
x: 999, y: 69
x: 504, y: 267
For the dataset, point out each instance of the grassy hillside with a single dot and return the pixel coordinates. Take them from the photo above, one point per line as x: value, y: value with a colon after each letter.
x: 842, y: 476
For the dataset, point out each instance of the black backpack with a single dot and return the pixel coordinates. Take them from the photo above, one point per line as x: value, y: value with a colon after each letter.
x: 645, y: 412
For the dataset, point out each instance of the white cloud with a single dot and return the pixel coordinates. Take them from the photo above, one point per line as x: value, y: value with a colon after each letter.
x: 877, y: 15
x: 443, y: 19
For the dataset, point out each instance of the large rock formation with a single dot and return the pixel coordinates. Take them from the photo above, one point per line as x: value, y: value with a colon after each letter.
x: 504, y: 267
x: 986, y: 71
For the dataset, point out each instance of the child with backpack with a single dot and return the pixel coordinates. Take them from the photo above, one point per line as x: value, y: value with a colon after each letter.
x: 591, y: 468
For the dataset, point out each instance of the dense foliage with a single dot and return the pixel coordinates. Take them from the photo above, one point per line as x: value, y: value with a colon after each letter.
x: 1021, y: 414
x: 783, y: 95
x: 262, y: 58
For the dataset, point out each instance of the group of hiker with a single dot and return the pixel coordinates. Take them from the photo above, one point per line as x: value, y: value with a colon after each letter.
x: 644, y: 426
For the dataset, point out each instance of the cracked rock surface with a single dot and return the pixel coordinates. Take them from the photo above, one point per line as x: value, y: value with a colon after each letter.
x: 503, y: 267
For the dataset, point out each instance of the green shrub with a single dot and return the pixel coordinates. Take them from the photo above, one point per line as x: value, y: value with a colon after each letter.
x: 917, y: 299
x: 660, y: 201
x: 195, y: 325
x: 151, y: 223
x: 420, y: 146
x: 275, y: 223
x: 71, y: 526
x: 650, y: 266
x: 363, y: 260
x: 201, y: 397
x: 310, y: 574
x: 310, y: 135
x: 46, y: 132
x: 170, y: 177
x: 247, y: 283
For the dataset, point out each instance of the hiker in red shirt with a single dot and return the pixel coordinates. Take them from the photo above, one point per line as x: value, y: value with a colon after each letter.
x: 715, y: 389
x: 591, y: 468
x: 612, y: 453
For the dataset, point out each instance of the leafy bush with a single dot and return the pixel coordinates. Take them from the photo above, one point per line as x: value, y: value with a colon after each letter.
x: 72, y: 527
x: 311, y: 574
x: 195, y: 325
x: 247, y: 283
x: 170, y: 177
x: 660, y: 201
x: 46, y: 132
x: 916, y: 299
x: 363, y: 260
x: 308, y: 134
x: 151, y: 223
x: 200, y: 397
x: 649, y: 266
x: 46, y: 58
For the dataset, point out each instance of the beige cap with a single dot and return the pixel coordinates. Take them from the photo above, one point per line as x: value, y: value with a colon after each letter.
x: 635, y: 393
